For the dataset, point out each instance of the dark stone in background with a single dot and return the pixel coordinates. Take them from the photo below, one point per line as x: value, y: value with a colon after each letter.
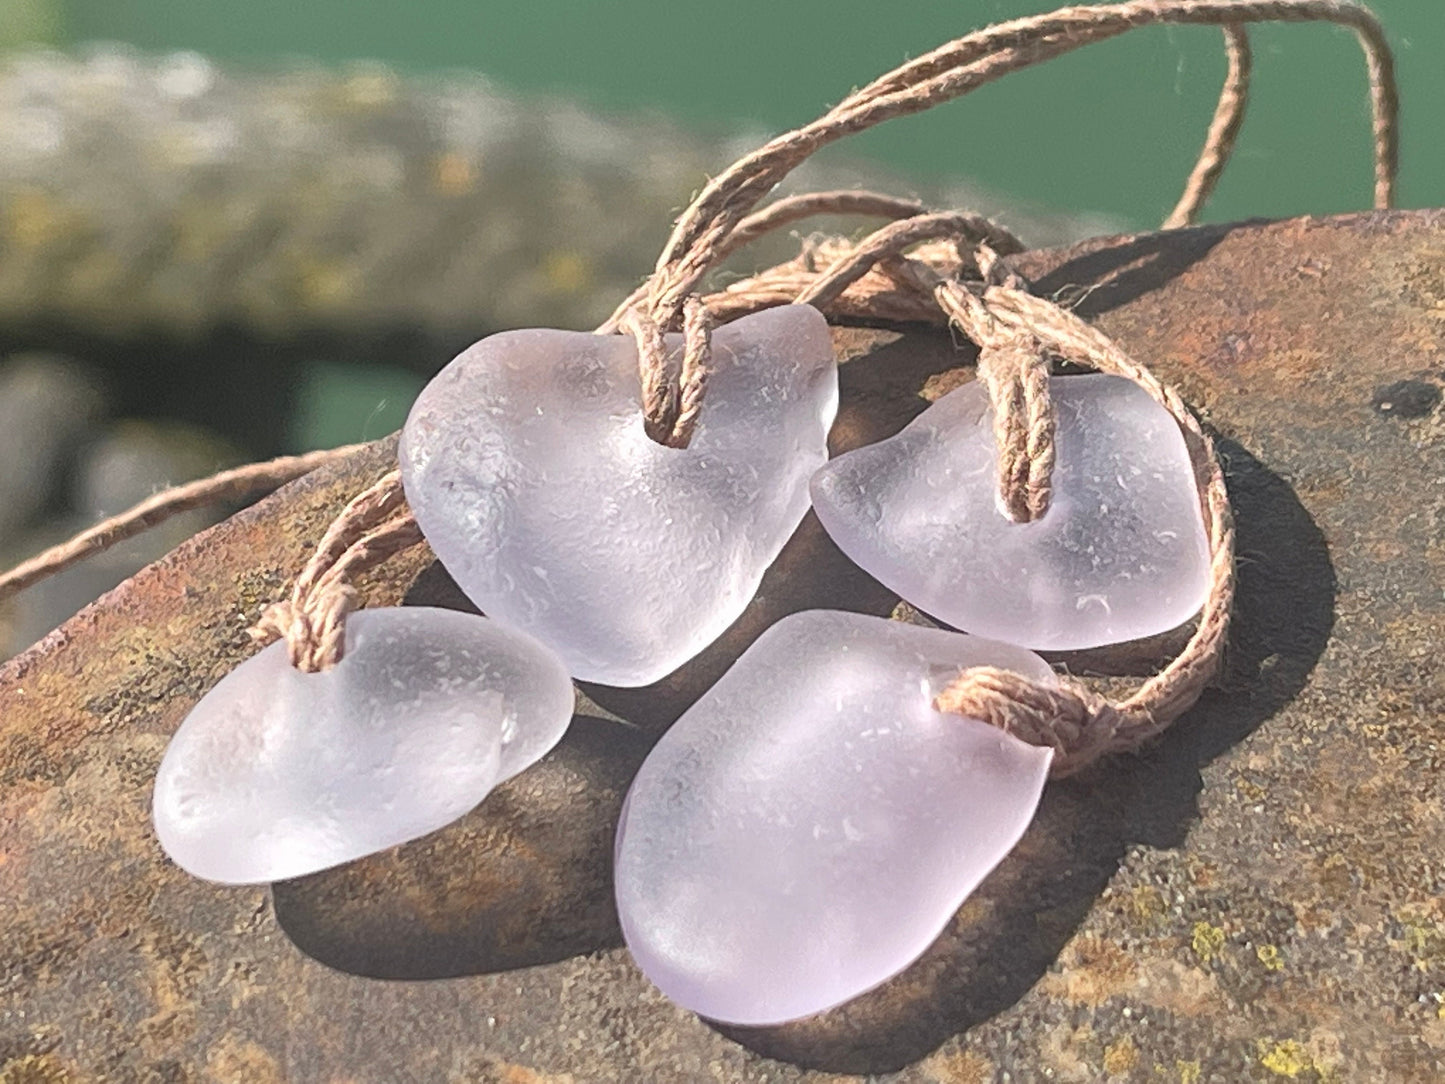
x: 1258, y: 896
x: 1407, y: 398
x: 47, y: 405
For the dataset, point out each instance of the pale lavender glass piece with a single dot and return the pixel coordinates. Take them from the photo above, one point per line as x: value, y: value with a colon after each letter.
x: 810, y: 825
x: 527, y: 466
x: 1120, y: 554
x: 278, y: 773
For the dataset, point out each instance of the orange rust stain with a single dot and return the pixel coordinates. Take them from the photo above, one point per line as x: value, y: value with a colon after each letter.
x: 1094, y: 970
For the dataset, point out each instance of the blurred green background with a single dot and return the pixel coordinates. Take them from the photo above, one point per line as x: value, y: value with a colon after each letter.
x: 1111, y: 128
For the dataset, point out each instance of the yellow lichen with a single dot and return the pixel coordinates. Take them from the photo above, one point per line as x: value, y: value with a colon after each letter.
x: 1189, y: 1071
x: 567, y: 272
x: 34, y: 1069
x: 1146, y: 902
x: 1287, y: 1058
x: 1270, y: 957
x: 1121, y: 1056
x: 454, y: 174
x: 1424, y: 939
x: 1207, y: 941
x: 1249, y: 790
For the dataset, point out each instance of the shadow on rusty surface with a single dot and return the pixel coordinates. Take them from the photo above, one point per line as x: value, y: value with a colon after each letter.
x: 477, y: 897
x: 1110, y: 276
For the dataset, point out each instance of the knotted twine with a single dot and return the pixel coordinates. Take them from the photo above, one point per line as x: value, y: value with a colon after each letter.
x: 957, y: 273
x: 374, y: 526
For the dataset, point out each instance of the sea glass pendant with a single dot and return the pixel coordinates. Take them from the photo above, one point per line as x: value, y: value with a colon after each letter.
x: 278, y: 773
x: 810, y: 825
x: 528, y: 469
x: 1120, y: 554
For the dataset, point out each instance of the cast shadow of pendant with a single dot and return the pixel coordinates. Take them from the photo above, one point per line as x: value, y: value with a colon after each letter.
x: 526, y: 878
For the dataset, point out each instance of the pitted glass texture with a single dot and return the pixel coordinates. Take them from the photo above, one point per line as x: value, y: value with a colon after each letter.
x: 277, y: 773
x: 527, y: 466
x: 1120, y: 554
x: 809, y: 826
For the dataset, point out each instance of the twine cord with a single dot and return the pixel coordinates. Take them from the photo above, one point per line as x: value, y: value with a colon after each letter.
x: 231, y: 485
x: 1087, y: 726
x: 1016, y: 331
x: 1016, y: 378
x: 971, y: 61
x: 778, y: 215
x: 931, y: 266
x: 1223, y: 131
x: 375, y: 525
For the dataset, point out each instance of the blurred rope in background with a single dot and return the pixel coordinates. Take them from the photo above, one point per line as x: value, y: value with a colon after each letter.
x: 163, y: 193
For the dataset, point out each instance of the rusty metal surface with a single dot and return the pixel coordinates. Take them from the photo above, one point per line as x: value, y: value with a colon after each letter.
x: 1261, y: 896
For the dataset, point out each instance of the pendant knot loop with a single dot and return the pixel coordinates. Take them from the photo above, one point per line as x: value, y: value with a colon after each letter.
x: 1013, y: 367
x: 374, y: 526
x: 673, y: 382
x: 1015, y: 373
x: 1078, y: 724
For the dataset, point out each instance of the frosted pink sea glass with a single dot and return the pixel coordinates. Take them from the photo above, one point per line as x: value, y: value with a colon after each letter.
x: 527, y: 466
x: 809, y: 826
x: 1121, y: 553
x: 278, y: 773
